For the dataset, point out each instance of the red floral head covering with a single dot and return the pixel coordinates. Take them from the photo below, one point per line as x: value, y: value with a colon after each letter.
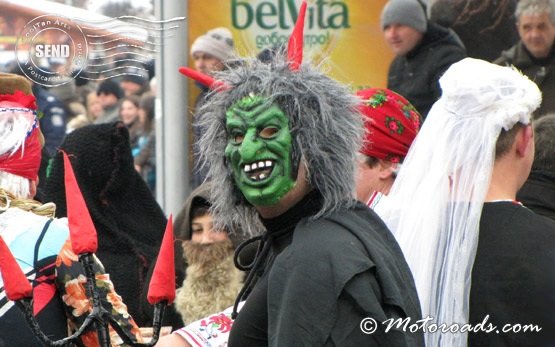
x: 20, y: 152
x: 391, y: 124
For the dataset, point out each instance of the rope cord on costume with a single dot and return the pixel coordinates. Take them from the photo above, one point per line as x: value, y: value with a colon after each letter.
x: 240, y: 249
x: 261, y: 256
x: 8, y: 200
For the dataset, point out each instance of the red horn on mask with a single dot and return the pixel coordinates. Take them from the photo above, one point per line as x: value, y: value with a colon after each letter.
x: 295, y: 46
x: 204, y: 79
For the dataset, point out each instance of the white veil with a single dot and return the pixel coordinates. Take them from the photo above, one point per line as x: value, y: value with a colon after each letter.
x: 436, y: 201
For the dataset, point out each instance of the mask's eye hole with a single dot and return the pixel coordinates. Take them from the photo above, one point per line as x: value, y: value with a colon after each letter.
x: 237, y: 137
x: 268, y: 132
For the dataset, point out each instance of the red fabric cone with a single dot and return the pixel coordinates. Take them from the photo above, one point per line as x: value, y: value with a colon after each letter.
x: 162, y: 283
x: 16, y: 285
x: 81, y: 227
x: 295, y: 46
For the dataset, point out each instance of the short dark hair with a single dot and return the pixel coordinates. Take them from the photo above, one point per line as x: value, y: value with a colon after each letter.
x: 200, y: 207
x: 544, y: 133
x: 110, y: 87
x: 372, y: 162
x: 506, y: 140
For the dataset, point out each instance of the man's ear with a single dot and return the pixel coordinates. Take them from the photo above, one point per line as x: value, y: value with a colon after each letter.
x: 525, y: 141
x: 386, y: 169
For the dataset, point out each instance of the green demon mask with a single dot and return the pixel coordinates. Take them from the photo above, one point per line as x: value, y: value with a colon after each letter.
x: 259, y: 150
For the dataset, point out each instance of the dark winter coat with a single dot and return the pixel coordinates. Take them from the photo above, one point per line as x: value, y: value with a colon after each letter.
x: 416, y: 74
x: 486, y: 27
x: 538, y: 193
x: 53, y: 120
x: 324, y: 277
x: 541, y: 72
x: 512, y: 279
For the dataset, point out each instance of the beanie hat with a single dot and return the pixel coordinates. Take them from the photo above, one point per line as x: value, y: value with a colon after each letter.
x: 391, y: 124
x: 217, y: 42
x: 20, y: 137
x: 110, y: 87
x: 134, y: 78
x: 406, y: 12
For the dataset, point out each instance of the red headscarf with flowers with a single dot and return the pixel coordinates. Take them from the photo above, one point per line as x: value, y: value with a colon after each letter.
x: 391, y: 124
x: 24, y: 160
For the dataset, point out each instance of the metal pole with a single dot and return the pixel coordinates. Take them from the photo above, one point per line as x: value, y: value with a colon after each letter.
x: 172, y: 164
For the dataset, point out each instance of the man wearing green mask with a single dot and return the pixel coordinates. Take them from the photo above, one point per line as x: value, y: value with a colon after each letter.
x: 259, y: 150
x: 280, y: 145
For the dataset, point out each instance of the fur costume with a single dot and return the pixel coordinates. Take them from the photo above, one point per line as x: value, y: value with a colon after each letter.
x: 11, y: 83
x: 312, y: 101
x: 212, y: 281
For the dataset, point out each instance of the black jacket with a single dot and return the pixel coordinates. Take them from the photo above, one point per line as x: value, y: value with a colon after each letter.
x: 540, y: 72
x: 512, y: 279
x: 538, y: 193
x: 323, y: 277
x: 53, y: 121
x: 416, y: 74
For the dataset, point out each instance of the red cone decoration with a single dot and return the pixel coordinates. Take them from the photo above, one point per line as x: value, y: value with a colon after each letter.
x: 16, y: 285
x: 81, y: 227
x: 162, y: 283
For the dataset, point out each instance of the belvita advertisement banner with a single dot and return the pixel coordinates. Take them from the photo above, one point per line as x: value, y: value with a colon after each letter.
x: 343, y: 36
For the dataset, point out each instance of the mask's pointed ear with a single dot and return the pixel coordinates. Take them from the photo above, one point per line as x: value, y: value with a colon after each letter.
x: 295, y: 46
x: 204, y: 79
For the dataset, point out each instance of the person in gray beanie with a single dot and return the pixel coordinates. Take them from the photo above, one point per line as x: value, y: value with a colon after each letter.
x: 209, y: 52
x: 423, y: 51
x: 407, y: 12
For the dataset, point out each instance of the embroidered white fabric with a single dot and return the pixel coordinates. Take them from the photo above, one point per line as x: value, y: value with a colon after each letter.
x: 436, y: 202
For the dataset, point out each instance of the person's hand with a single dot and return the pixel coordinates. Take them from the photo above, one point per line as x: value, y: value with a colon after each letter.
x: 172, y: 340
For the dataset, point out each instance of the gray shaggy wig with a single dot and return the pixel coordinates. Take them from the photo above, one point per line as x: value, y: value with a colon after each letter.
x: 324, y: 122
